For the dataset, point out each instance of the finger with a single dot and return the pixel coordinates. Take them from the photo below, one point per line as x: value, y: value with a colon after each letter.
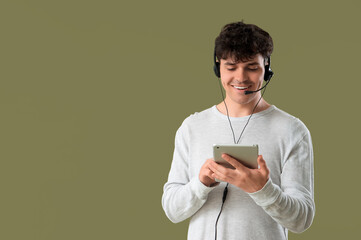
x: 217, y: 168
x: 219, y: 176
x: 205, y: 170
x: 208, y: 172
x: 209, y: 163
x: 261, y: 162
x: 234, y: 162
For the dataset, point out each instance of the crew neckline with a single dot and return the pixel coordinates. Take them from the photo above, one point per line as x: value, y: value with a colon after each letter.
x: 255, y: 115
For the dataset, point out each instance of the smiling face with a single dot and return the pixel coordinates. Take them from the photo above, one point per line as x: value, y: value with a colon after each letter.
x: 238, y: 77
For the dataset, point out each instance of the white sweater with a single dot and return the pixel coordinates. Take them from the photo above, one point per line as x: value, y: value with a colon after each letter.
x: 285, y: 203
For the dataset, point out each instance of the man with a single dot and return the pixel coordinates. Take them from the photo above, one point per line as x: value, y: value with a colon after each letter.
x: 261, y: 203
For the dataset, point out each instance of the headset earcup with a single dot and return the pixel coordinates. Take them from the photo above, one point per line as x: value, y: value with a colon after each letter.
x: 216, y: 69
x: 268, y: 73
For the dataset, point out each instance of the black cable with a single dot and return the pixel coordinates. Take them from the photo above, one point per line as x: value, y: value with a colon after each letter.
x: 225, y: 191
x: 219, y: 214
x: 230, y: 124
x: 229, y: 120
x: 251, y: 114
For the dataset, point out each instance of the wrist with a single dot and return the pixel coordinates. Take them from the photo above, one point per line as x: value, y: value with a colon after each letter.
x: 208, y: 182
x: 214, y: 184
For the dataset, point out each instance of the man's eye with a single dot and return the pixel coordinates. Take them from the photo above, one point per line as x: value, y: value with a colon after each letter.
x: 231, y: 69
x: 252, y: 69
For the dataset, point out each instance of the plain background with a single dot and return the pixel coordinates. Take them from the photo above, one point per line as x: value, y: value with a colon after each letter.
x: 92, y: 93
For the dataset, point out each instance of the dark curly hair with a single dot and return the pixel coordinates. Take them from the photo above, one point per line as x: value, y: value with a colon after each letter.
x: 242, y: 42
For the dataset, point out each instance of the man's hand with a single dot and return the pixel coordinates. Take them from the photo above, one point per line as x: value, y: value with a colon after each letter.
x: 249, y: 180
x: 205, y: 174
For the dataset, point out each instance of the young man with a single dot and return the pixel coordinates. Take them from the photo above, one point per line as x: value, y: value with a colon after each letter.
x: 261, y: 203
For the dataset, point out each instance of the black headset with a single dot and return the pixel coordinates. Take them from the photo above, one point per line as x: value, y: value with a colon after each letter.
x: 268, y: 73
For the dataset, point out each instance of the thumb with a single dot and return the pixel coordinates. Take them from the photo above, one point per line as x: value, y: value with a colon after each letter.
x: 262, y: 164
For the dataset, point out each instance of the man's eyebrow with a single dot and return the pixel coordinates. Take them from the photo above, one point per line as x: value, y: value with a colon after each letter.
x: 253, y: 63
x: 230, y: 63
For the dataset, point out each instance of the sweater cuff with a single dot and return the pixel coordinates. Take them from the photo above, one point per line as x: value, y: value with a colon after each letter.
x: 267, y: 195
x: 199, y: 189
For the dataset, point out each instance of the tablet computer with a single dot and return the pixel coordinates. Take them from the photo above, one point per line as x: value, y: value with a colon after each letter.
x: 245, y: 154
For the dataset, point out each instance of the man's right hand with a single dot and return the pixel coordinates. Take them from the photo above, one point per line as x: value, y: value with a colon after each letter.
x: 205, y: 174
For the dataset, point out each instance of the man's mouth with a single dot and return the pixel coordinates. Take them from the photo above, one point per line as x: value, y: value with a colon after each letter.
x: 240, y: 88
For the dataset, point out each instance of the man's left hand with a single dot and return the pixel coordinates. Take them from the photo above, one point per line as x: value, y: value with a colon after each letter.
x: 249, y: 180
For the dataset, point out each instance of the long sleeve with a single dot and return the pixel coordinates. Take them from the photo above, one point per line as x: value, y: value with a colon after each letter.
x: 291, y: 204
x: 182, y: 197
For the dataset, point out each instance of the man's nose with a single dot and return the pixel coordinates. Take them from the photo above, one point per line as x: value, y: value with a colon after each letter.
x: 241, y: 75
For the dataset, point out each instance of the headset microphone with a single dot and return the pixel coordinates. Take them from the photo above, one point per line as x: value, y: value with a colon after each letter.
x: 267, y: 76
x: 268, y: 73
x: 250, y: 92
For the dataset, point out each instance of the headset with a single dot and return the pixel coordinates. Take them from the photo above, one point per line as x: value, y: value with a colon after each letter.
x: 268, y: 73
x: 267, y: 77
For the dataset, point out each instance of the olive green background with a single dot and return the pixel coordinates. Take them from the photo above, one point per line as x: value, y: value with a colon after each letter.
x: 92, y: 93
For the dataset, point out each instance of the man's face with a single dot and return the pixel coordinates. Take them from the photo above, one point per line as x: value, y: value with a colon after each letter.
x: 240, y: 77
